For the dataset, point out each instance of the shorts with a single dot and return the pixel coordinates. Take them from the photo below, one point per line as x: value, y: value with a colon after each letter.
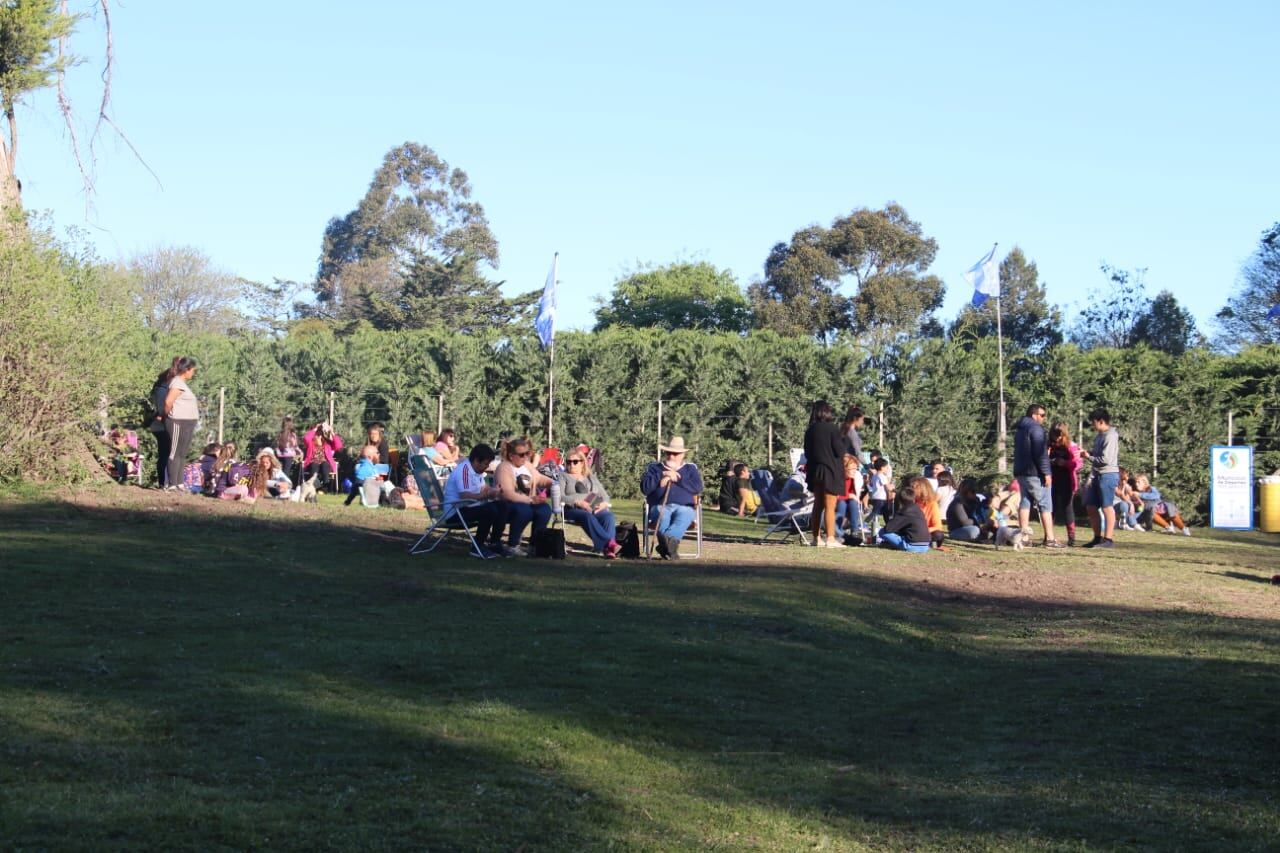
x: 1034, y: 491
x: 1102, y: 490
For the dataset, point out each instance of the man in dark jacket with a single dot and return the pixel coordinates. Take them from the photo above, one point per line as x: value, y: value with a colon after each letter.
x: 1031, y: 470
x: 671, y: 487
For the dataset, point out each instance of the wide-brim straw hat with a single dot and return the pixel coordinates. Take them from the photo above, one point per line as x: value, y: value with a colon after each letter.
x: 266, y: 451
x: 676, y: 446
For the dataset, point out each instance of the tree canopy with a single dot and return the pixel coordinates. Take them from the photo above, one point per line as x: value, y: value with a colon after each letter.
x: 1243, y: 320
x: 682, y: 295
x: 1121, y: 315
x: 884, y: 253
x: 179, y: 289
x: 30, y: 32
x: 417, y: 212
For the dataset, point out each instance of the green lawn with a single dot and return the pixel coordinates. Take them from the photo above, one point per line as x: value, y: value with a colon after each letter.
x: 180, y: 674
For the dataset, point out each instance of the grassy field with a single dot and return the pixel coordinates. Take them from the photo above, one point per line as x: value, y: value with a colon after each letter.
x: 181, y: 674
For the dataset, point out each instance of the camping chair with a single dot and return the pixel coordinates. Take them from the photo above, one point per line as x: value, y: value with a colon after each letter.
x: 761, y: 482
x: 649, y: 536
x: 787, y: 519
x: 448, y: 517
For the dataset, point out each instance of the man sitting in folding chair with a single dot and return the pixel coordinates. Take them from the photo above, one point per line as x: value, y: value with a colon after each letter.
x: 466, y: 501
x: 671, y: 489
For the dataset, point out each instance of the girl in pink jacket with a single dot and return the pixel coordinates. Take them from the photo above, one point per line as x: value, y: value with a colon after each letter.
x: 1065, y: 461
x: 319, y: 446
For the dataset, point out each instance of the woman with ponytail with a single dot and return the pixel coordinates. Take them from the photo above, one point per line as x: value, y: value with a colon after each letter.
x: 181, y: 414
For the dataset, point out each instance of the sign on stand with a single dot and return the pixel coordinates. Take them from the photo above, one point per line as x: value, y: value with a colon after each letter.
x: 1231, y: 487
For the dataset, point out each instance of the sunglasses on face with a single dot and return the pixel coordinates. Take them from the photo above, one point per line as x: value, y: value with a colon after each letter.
x: 522, y: 455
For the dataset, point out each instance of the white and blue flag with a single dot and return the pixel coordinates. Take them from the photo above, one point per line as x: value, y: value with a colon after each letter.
x: 546, y: 322
x: 985, y: 278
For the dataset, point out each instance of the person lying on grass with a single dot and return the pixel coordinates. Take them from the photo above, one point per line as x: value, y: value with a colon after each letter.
x: 907, y: 530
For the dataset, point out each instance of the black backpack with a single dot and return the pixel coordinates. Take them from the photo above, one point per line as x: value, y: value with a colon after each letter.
x: 628, y: 537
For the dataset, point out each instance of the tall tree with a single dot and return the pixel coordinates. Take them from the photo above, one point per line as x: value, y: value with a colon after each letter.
x: 416, y: 208
x: 1243, y: 320
x: 1028, y: 321
x: 179, y: 289
x: 884, y: 253
x: 1111, y: 313
x: 1167, y: 326
x: 681, y: 295
x: 31, y: 35
x: 1122, y: 315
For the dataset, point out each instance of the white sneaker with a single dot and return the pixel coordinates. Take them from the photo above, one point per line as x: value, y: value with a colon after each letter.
x: 1186, y: 531
x: 836, y: 543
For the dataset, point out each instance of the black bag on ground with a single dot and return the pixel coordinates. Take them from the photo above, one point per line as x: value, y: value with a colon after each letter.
x: 628, y: 537
x: 549, y: 542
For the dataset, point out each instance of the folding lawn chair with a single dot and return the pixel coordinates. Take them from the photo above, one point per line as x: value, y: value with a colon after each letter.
x: 649, y: 536
x: 445, y: 517
x: 786, y: 519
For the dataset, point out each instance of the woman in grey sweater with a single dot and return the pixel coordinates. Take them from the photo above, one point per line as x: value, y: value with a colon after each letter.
x: 586, y: 504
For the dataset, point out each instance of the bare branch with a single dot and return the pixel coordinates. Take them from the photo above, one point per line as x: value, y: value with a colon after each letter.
x: 64, y: 104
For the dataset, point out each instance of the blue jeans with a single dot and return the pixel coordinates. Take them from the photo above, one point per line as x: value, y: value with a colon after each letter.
x: 851, y: 512
x: 967, y: 533
x: 673, y: 519
x: 600, y: 526
x: 519, y: 515
x: 897, y: 543
x: 1102, y: 490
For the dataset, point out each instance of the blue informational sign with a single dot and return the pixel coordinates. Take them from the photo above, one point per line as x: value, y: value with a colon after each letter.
x: 1231, y: 487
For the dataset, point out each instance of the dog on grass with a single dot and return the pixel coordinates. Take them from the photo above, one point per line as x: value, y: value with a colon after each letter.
x: 307, y: 491
x: 1013, y: 536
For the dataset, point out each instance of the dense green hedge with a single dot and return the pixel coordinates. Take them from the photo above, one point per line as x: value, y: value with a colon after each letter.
x: 723, y: 391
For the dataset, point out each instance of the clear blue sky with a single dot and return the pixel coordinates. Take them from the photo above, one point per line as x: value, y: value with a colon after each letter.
x: 1141, y: 134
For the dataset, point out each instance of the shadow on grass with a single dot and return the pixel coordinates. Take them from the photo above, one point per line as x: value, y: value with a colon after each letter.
x: 305, y: 680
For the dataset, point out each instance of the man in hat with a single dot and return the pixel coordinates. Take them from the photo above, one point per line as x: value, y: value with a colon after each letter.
x: 671, y: 486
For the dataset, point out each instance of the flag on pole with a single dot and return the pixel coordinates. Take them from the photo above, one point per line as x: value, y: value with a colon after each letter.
x: 1274, y: 313
x: 546, y: 322
x: 985, y: 278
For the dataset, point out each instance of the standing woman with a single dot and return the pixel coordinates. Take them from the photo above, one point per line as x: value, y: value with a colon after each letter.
x: 181, y: 414
x: 159, y: 392
x: 824, y: 470
x: 853, y: 421
x: 1065, y: 460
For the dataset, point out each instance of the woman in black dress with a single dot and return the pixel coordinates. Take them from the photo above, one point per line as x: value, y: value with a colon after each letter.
x: 824, y: 471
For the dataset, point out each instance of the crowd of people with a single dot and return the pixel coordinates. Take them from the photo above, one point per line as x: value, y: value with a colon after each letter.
x: 507, y: 489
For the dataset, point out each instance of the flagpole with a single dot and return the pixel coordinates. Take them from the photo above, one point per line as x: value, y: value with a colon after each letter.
x: 1002, y: 444
x: 551, y: 364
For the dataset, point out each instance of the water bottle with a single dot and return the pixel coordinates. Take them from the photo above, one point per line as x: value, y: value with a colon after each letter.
x: 557, y: 505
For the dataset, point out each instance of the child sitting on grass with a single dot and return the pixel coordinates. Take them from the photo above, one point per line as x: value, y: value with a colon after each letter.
x: 1156, y: 510
x: 368, y: 469
x: 907, y: 530
x: 927, y: 500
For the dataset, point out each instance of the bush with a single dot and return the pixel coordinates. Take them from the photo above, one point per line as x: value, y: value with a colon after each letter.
x: 66, y: 332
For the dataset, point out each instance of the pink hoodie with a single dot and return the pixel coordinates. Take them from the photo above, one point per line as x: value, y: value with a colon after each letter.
x: 310, y: 442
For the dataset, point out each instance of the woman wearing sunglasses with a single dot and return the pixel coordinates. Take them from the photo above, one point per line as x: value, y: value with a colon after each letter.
x: 519, y: 483
x: 587, y: 505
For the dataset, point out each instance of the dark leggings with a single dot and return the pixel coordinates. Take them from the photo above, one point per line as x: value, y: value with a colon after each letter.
x: 326, y: 473
x: 1064, y: 502
x: 181, y: 434
x: 162, y: 457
